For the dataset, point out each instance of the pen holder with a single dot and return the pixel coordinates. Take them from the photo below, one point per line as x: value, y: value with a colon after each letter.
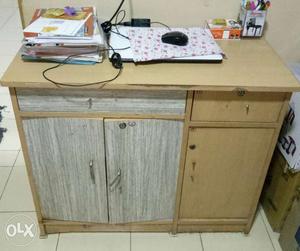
x: 252, y: 22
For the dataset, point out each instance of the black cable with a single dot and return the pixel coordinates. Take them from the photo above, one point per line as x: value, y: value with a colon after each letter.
x: 106, y: 26
x: 117, y: 11
x: 118, y: 23
x: 117, y: 17
x: 118, y: 33
x: 161, y: 24
x: 64, y: 62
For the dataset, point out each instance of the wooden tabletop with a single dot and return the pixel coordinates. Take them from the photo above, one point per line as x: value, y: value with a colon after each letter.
x: 250, y: 64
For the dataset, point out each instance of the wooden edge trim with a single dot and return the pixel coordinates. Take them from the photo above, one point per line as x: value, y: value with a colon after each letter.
x: 211, y: 228
x: 234, y: 124
x: 63, y: 222
x: 99, y: 115
x: 184, y: 143
x: 21, y: 11
x: 157, y: 87
x: 53, y: 229
x: 267, y: 163
x: 36, y: 200
x: 242, y: 221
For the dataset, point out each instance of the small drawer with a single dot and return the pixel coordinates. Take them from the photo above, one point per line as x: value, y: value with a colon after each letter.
x: 116, y: 101
x: 234, y: 106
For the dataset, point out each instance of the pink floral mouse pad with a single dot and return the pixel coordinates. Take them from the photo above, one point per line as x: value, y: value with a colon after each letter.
x: 146, y: 44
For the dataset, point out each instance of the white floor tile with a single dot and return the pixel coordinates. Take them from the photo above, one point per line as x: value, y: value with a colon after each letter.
x: 257, y: 239
x: 8, y: 111
x: 9, y: 3
x: 35, y: 244
x: 14, y: 20
x: 4, y: 173
x: 273, y: 235
x: 5, y: 61
x: 4, y: 90
x: 94, y: 241
x: 164, y: 241
x: 17, y: 194
x: 11, y: 33
x: 9, y: 47
x: 20, y: 159
x: 5, y: 14
x: 10, y: 139
x: 8, y: 158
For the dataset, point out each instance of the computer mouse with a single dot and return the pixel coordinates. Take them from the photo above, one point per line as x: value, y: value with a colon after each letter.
x: 175, y: 38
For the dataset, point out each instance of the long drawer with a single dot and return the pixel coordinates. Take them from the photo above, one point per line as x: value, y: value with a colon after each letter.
x: 232, y: 106
x: 118, y: 101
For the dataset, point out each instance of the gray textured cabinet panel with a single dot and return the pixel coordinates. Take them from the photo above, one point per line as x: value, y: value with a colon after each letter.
x: 68, y: 163
x: 135, y: 102
x: 142, y: 168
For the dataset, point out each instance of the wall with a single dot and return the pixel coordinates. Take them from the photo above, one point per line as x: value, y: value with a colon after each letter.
x: 283, y: 31
x: 283, y: 19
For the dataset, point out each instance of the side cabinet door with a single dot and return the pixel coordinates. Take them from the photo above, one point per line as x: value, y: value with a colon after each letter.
x: 68, y: 164
x: 142, y: 167
x: 223, y: 170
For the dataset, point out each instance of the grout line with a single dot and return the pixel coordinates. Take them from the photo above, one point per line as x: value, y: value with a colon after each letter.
x: 201, y: 242
x: 56, y: 248
x: 130, y: 245
x: 266, y: 228
x: 9, y: 212
x: 10, y: 173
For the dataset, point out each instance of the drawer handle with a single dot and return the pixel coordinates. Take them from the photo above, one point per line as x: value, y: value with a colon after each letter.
x: 116, y: 181
x: 92, y: 173
x: 247, y: 109
x: 90, y: 102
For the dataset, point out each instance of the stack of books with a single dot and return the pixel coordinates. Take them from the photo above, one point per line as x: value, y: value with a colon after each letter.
x: 69, y: 35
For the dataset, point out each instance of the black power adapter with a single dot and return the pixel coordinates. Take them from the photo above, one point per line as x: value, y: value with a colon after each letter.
x: 138, y: 22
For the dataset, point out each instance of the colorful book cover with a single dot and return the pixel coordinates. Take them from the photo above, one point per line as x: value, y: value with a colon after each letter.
x: 88, y: 27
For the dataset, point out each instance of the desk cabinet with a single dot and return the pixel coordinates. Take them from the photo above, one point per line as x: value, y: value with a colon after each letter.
x: 142, y: 167
x: 222, y: 170
x: 68, y: 165
x: 162, y: 148
x: 68, y: 161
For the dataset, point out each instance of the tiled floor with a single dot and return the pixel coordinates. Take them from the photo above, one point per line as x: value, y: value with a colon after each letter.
x: 15, y: 196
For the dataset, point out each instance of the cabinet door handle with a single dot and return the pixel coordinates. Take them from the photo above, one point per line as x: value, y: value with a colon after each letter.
x: 92, y: 173
x: 116, y: 181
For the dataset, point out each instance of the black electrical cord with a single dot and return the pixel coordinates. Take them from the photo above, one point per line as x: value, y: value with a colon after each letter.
x: 118, y: 23
x: 65, y: 61
x: 161, y: 24
x: 106, y: 26
x: 117, y: 11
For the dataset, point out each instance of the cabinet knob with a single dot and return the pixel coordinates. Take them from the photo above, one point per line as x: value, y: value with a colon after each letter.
x: 122, y: 125
x: 192, y: 147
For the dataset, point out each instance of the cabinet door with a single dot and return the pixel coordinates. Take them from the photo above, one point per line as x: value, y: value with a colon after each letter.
x: 142, y: 167
x: 222, y: 172
x: 68, y: 163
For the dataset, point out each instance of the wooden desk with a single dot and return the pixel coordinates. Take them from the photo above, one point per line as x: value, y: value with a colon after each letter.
x: 165, y: 147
